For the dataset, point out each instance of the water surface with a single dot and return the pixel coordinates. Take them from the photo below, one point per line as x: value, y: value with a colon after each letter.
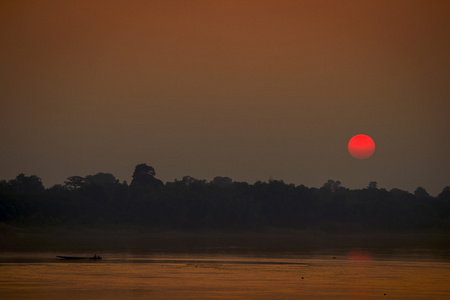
x: 353, y: 274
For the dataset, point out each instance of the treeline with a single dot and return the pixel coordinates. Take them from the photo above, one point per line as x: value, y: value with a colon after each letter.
x: 221, y: 204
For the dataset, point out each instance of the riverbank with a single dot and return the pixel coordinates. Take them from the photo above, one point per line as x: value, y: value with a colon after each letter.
x: 139, y: 239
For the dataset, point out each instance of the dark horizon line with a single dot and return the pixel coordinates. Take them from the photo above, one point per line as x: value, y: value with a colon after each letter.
x: 205, y: 181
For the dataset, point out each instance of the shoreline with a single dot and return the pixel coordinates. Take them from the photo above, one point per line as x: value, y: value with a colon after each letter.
x: 140, y: 239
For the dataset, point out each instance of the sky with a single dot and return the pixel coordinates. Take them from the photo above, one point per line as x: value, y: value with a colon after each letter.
x: 252, y: 90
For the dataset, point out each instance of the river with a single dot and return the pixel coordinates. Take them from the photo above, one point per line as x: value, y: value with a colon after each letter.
x: 326, y: 274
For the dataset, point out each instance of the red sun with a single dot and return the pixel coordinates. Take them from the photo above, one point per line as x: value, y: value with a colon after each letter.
x: 361, y: 146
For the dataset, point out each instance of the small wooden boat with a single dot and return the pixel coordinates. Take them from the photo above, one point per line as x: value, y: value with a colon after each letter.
x: 95, y: 257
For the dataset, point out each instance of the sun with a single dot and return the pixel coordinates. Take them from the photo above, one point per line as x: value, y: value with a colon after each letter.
x: 361, y: 146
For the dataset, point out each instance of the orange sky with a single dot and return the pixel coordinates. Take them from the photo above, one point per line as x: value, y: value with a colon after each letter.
x: 247, y: 89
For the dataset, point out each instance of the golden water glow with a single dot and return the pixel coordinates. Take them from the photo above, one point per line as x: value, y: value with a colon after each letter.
x: 228, y: 278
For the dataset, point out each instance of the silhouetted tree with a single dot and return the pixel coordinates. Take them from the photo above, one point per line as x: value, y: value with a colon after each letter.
x: 444, y: 208
x: 222, y: 181
x: 101, y: 179
x: 421, y: 193
x: 143, y: 190
x: 332, y: 185
x: 143, y: 170
x: 27, y: 184
x: 445, y: 194
x: 188, y: 180
x: 145, y: 175
x: 74, y: 182
x: 372, y: 185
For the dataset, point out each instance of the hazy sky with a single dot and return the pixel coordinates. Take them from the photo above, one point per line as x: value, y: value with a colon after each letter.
x: 252, y: 90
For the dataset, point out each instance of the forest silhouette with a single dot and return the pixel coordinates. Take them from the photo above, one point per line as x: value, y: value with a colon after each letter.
x: 221, y: 204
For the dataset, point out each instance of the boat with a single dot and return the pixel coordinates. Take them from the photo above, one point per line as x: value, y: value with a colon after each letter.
x: 95, y: 257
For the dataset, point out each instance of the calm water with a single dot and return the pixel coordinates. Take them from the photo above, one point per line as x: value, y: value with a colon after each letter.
x: 354, y: 274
